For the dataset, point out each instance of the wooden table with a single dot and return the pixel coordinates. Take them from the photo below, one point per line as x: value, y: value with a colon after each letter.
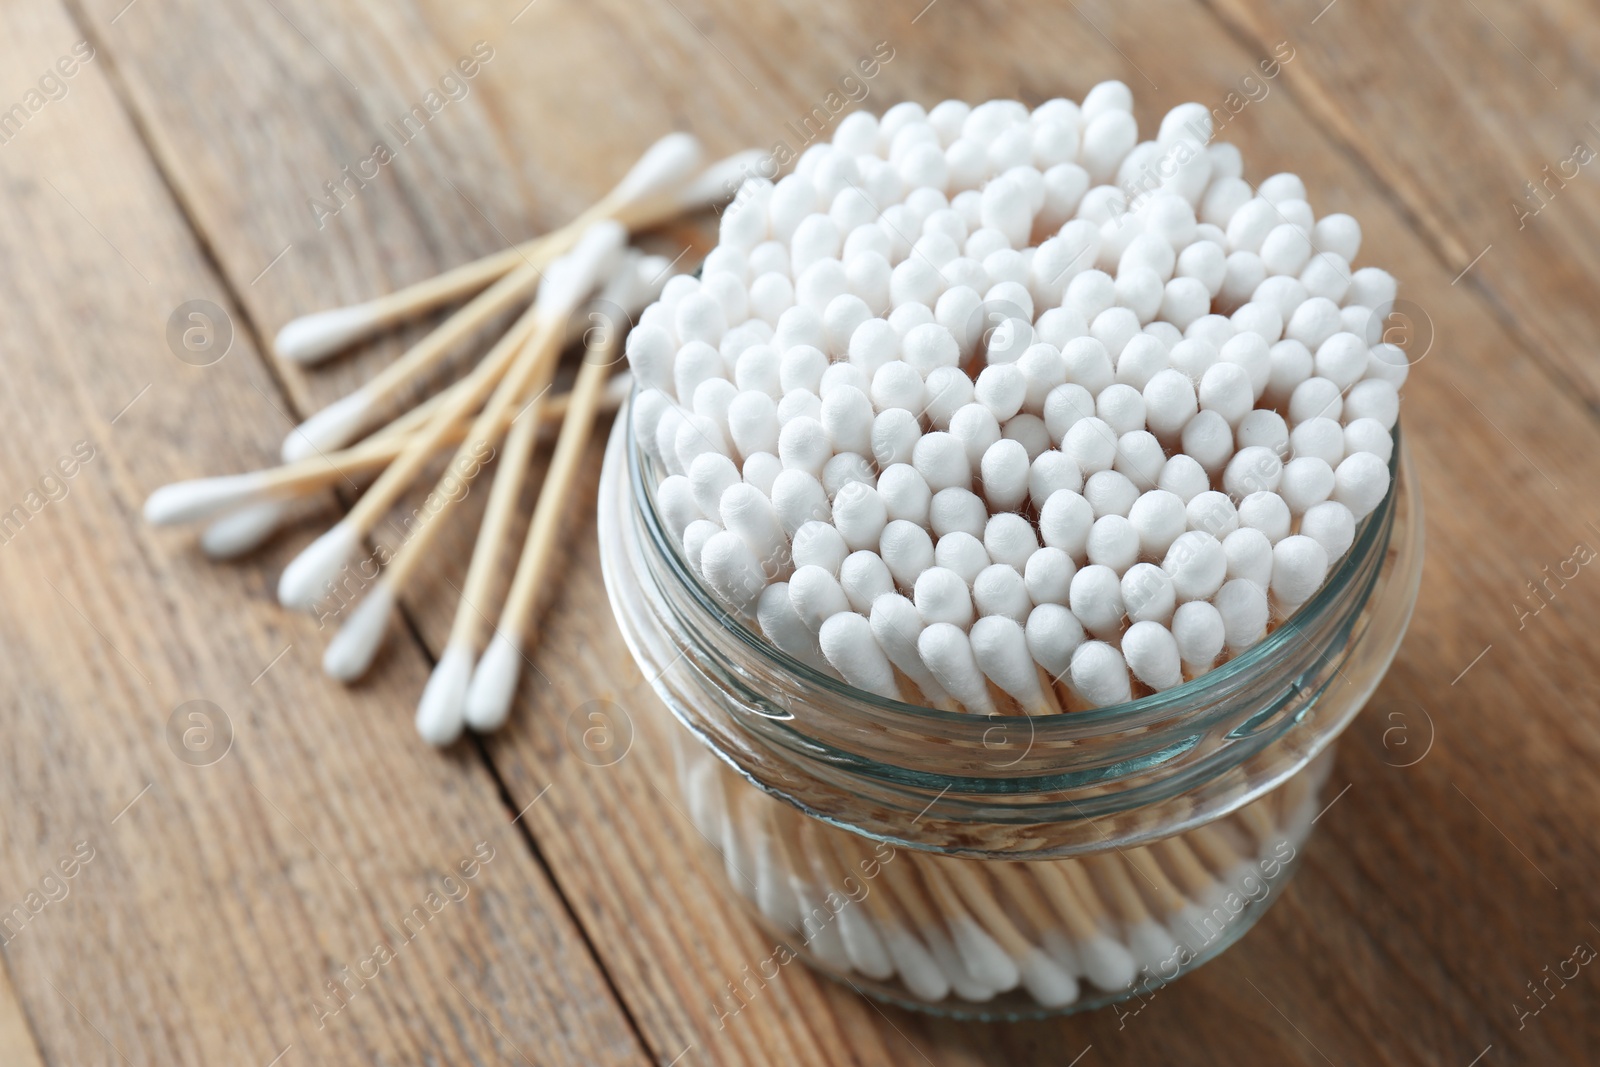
x: 212, y: 908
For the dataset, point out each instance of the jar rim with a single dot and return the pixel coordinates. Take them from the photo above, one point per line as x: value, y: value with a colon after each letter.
x: 1371, y: 538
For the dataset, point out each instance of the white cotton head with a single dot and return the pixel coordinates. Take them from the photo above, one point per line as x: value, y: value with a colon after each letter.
x: 907, y: 551
x: 304, y: 579
x: 494, y: 683
x: 999, y: 589
x: 1049, y: 984
x: 985, y: 960
x: 313, y: 338
x: 1197, y: 564
x: 664, y: 168
x: 574, y: 276
x: 897, y: 626
x: 243, y: 529
x: 1197, y: 627
x: 1330, y: 524
x: 1249, y: 555
x: 947, y: 652
x: 818, y: 544
x: 780, y: 621
x: 1100, y: 675
x: 1064, y: 523
x: 1299, y: 565
x: 711, y: 185
x: 864, y: 578
x: 746, y: 511
x: 816, y: 595
x: 1000, y: 646
x: 1152, y: 946
x: 441, y: 712
x: 356, y: 642
x: 1148, y: 593
x: 733, y: 571
x: 943, y: 596
x: 1096, y: 599
x: 849, y: 645
x: 1053, y: 634
x: 1243, y: 607
x: 200, y: 498
x: 798, y: 498
x: 1361, y: 481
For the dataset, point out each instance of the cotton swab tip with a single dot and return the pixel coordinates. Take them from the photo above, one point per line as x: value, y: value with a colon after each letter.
x: 665, y: 166
x: 494, y: 682
x: 310, y: 572
x: 353, y: 648
x: 199, y: 498
x: 718, y: 181
x: 313, y: 338
x: 244, y: 529
x: 331, y: 428
x: 574, y: 276
x: 440, y: 712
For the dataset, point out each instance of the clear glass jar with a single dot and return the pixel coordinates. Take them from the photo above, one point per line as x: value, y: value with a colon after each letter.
x: 1002, y: 866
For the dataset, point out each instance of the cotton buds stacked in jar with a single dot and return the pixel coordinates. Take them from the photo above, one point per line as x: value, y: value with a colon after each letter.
x: 993, y: 409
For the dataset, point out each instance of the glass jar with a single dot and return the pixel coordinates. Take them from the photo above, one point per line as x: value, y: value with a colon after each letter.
x: 1001, y: 866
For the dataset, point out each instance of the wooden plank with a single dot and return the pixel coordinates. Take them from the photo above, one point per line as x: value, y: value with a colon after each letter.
x: 16, y: 1036
x: 190, y: 893
x: 1459, y: 109
x: 1396, y: 946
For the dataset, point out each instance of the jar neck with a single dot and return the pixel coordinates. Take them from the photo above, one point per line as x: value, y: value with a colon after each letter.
x: 1001, y: 784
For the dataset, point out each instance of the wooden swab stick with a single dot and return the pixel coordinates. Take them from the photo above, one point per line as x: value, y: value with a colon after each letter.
x: 303, y: 579
x: 917, y: 967
x: 648, y: 203
x: 985, y: 958
x: 495, y: 679
x: 353, y: 647
x: 1044, y: 978
x: 643, y: 196
x: 526, y: 352
x: 237, y: 532
x: 440, y: 712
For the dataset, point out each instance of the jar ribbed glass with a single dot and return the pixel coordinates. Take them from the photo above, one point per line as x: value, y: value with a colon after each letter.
x: 1002, y: 866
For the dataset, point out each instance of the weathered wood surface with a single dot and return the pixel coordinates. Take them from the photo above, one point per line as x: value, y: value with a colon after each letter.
x: 193, y: 142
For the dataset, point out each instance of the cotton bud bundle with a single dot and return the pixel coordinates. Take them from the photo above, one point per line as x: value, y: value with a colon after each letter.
x: 988, y: 407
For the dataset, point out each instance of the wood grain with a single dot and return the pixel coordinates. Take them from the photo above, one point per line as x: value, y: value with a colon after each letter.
x: 207, y: 905
x: 1434, y: 892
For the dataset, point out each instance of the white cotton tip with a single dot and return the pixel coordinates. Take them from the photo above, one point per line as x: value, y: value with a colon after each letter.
x: 1151, y: 945
x: 703, y: 796
x: 944, y: 953
x: 355, y: 644
x: 1060, y: 947
x: 494, y: 683
x: 1001, y: 649
x: 1188, y: 924
x: 665, y: 167
x: 946, y: 652
x: 1107, y: 963
x: 849, y: 645
x: 199, y: 498
x: 917, y: 967
x: 1050, y: 985
x: 822, y: 938
x: 984, y: 959
x: 1100, y: 675
x: 570, y: 279
x: 304, y: 579
x: 897, y: 626
x: 713, y: 184
x: 243, y: 529
x: 733, y: 571
x: 866, y: 949
x: 328, y: 430
x: 441, y: 711
x: 313, y: 338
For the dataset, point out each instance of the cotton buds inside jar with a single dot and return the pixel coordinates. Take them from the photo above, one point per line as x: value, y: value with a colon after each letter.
x: 986, y: 408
